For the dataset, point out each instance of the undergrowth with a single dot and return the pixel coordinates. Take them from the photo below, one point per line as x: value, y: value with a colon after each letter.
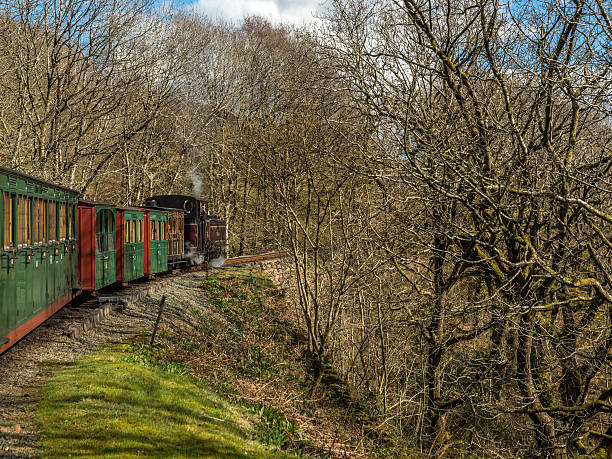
x: 249, y: 349
x: 274, y: 429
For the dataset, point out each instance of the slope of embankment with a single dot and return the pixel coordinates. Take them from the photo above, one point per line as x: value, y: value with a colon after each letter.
x: 227, y: 376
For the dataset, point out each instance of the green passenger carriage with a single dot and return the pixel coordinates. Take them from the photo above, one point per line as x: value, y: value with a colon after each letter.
x: 39, y: 256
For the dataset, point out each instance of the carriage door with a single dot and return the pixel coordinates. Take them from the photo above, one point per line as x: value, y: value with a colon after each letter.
x: 105, y: 248
x: 8, y: 281
x: 133, y: 246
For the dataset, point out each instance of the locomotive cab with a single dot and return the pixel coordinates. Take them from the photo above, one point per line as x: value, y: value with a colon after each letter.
x: 205, y: 235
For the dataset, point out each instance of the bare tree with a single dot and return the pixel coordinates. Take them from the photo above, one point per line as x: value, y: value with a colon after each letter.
x: 71, y: 66
x: 499, y: 111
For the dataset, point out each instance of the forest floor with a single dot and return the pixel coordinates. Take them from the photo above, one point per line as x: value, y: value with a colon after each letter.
x: 231, y: 336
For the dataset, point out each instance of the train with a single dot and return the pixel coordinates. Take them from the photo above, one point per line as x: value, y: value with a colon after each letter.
x: 56, y: 246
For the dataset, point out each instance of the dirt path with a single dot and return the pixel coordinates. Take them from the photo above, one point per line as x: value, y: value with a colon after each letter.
x: 21, y: 368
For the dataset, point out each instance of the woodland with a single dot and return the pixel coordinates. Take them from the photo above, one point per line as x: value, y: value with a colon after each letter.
x: 439, y: 172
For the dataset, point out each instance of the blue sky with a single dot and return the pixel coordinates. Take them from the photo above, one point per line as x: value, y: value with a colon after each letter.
x: 288, y: 11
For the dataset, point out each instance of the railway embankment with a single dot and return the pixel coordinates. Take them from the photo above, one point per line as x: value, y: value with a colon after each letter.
x: 227, y: 375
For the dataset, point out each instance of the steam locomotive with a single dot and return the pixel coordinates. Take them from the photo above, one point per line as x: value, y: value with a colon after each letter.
x: 55, y: 246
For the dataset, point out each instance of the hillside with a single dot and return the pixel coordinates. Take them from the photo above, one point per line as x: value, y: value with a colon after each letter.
x: 226, y: 377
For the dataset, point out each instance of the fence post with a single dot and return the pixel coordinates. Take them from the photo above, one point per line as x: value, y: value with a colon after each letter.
x: 159, y: 313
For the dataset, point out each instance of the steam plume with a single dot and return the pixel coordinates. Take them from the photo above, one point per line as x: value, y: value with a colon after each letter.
x: 196, y: 183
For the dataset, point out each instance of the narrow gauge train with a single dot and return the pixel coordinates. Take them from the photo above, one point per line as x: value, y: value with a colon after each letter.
x: 55, y: 247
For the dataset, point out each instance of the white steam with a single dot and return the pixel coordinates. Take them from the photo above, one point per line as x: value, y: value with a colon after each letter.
x: 196, y: 183
x: 216, y: 262
x: 194, y: 257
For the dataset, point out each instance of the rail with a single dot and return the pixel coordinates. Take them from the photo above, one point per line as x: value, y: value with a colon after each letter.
x: 253, y: 258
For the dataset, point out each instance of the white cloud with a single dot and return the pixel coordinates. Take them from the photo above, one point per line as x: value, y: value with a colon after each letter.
x: 287, y: 11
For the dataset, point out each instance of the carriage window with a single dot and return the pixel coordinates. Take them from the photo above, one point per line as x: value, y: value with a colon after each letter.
x: 105, y: 222
x: 52, y: 221
x: 99, y: 223
x: 8, y: 221
x: 99, y: 231
x: 27, y: 220
x: 110, y: 236
x: 153, y: 231
x: 139, y: 230
x: 70, y: 222
x: 20, y: 221
x: 67, y: 220
x: 165, y: 226
x: 40, y: 221
x: 43, y: 220
x: 35, y: 218
x: 35, y: 221
x: 30, y: 232
x: 62, y: 221
x: 23, y: 232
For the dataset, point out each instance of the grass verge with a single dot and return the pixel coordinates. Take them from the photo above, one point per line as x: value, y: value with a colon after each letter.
x: 108, y: 404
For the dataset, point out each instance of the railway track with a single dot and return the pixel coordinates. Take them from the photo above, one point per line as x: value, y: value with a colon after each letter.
x: 253, y: 258
x: 141, y: 288
x: 84, y: 312
x: 98, y: 310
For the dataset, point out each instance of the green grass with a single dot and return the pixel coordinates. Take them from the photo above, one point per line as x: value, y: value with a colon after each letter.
x: 109, y: 404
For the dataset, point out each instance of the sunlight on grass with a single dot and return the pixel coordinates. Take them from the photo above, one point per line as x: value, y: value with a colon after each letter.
x: 106, y: 406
